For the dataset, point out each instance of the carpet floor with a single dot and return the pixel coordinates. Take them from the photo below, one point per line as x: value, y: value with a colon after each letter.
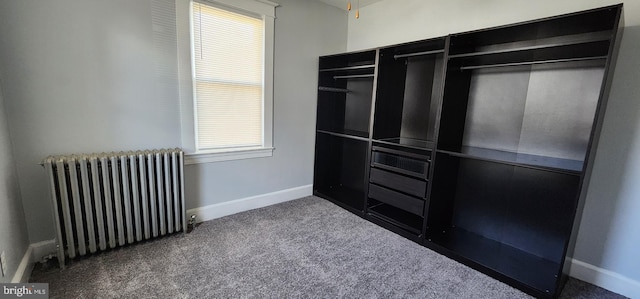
x: 303, y: 248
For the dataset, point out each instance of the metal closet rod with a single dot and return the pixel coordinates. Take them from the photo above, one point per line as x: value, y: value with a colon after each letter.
x: 474, y: 67
x: 346, y: 68
x: 352, y: 76
x: 333, y: 89
x: 417, y: 54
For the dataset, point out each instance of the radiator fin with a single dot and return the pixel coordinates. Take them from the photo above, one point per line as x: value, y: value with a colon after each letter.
x: 103, y: 201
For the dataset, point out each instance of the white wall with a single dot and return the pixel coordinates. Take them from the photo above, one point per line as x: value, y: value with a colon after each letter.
x: 608, y: 237
x: 82, y: 76
x: 79, y: 77
x: 13, y: 228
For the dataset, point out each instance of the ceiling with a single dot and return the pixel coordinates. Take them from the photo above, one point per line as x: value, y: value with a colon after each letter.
x: 343, y: 3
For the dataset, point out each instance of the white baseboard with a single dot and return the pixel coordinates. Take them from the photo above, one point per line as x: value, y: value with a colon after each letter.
x: 24, y: 268
x: 34, y: 252
x: 605, y: 279
x: 249, y: 203
x: 44, y: 248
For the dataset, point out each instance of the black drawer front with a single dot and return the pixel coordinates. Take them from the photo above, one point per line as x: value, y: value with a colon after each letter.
x: 399, y: 163
x: 398, y: 182
x: 405, y: 202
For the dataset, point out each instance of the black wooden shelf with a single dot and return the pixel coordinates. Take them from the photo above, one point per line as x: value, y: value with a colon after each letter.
x: 591, y: 50
x: 553, y: 42
x: 413, y: 143
x: 518, y: 159
x: 348, y: 62
x: 343, y: 196
x: 579, y: 25
x: 410, y: 222
x: 524, y: 267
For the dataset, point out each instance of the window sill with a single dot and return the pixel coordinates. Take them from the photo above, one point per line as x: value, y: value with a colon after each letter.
x: 228, y: 155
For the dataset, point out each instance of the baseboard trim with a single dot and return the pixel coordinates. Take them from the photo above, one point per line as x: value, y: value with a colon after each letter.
x: 44, y: 248
x: 24, y: 268
x: 605, y: 279
x: 34, y: 252
x: 249, y: 203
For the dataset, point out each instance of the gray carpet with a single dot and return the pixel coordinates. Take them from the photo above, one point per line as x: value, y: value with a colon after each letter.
x: 303, y: 248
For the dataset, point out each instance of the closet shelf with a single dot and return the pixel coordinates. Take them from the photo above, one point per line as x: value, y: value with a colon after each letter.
x: 409, y: 222
x: 555, y: 42
x: 524, y: 267
x: 348, y: 198
x: 407, y: 142
x: 566, y: 166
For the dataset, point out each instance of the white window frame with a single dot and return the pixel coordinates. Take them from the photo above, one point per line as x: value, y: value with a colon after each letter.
x: 263, y: 8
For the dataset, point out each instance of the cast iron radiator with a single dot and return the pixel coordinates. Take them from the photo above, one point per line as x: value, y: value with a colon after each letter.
x: 102, y: 201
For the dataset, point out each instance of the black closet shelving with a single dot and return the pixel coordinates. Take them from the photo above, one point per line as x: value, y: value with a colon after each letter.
x: 515, y: 158
x: 408, y: 94
x: 345, y: 95
x: 408, y: 91
x: 476, y: 145
x: 345, y: 92
x: 339, y: 174
x: 519, y: 115
x: 398, y: 182
x: 510, y: 219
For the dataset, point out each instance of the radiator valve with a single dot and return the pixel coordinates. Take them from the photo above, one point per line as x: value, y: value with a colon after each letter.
x: 192, y: 222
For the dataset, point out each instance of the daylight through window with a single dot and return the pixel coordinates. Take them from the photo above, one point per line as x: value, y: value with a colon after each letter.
x: 228, y: 60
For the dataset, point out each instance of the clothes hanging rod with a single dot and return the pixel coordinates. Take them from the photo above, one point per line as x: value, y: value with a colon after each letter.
x: 352, y: 76
x: 474, y: 67
x: 347, y: 68
x: 332, y: 89
x: 343, y: 135
x: 417, y: 54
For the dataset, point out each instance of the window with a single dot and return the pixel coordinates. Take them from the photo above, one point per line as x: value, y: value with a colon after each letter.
x: 231, y: 61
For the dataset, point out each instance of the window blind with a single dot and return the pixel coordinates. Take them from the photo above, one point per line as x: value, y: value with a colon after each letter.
x: 228, y: 59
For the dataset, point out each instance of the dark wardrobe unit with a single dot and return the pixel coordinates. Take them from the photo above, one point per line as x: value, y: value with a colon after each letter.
x: 478, y: 145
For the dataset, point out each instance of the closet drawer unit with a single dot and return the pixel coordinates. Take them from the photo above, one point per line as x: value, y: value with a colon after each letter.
x: 401, y: 162
x: 398, y: 182
x: 405, y: 202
